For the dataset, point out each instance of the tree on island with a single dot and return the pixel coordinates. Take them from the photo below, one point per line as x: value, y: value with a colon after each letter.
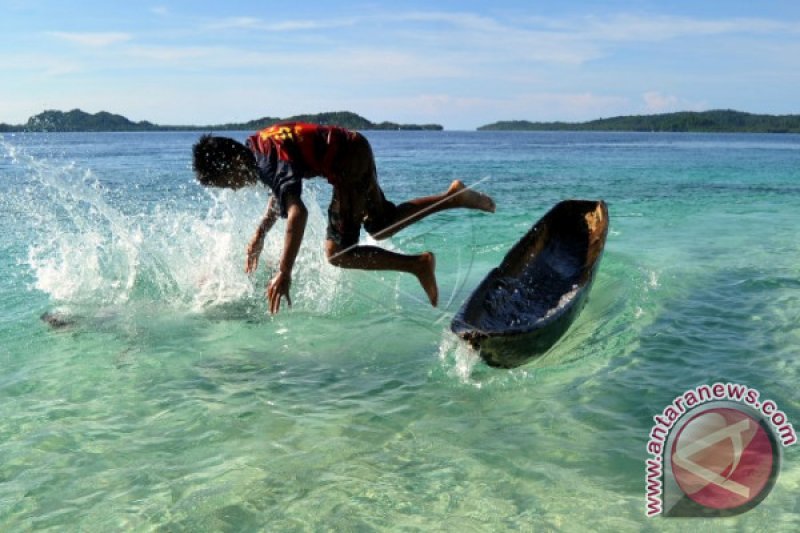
x: 77, y: 120
x: 716, y: 121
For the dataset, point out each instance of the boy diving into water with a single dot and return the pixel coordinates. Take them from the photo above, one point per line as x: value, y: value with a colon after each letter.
x: 282, y: 156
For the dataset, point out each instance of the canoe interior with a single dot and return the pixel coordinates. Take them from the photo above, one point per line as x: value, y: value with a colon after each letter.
x: 525, y: 304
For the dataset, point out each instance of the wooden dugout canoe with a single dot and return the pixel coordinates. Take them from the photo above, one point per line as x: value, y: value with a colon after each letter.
x: 523, y: 306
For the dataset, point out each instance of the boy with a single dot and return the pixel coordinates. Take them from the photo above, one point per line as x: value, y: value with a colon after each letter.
x: 281, y: 156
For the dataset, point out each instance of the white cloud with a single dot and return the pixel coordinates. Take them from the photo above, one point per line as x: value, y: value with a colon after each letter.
x: 358, y: 64
x: 37, y: 64
x: 236, y: 23
x: 461, y: 69
x: 487, y: 39
x: 657, y: 102
x: 254, y: 23
x: 171, y: 54
x: 648, y: 28
x: 92, y: 39
x: 468, y: 41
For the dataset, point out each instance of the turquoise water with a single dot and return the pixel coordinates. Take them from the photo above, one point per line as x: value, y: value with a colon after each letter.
x: 173, y: 402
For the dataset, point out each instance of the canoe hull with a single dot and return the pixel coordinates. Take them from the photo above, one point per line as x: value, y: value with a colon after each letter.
x: 525, y: 305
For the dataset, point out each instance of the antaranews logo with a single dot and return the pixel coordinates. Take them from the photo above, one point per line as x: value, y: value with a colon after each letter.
x: 715, y: 451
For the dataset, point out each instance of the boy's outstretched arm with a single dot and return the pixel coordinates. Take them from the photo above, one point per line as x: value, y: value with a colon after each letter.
x: 278, y: 286
x: 257, y: 242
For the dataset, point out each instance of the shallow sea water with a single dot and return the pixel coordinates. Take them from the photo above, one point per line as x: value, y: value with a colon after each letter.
x: 174, y: 402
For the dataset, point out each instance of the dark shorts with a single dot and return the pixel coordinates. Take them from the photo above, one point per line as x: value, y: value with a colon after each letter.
x: 357, y: 198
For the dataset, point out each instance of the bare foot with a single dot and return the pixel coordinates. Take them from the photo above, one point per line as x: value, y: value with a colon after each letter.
x: 469, y: 198
x: 427, y: 277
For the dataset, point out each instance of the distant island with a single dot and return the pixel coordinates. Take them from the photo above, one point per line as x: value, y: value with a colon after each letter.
x: 716, y: 121
x: 77, y: 120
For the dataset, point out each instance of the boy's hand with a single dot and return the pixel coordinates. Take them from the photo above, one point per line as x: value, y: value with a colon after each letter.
x: 253, y: 253
x: 277, y: 288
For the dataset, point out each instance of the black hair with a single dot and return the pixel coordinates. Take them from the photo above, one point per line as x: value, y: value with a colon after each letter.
x: 215, y: 157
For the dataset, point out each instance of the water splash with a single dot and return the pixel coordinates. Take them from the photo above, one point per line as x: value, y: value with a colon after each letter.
x: 458, y: 358
x: 86, y: 250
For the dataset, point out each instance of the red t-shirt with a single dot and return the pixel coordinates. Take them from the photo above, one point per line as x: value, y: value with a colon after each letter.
x: 288, y: 152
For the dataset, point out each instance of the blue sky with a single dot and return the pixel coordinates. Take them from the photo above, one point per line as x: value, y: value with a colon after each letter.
x: 461, y: 64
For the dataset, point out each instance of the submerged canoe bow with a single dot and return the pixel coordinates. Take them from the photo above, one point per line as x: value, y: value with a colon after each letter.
x: 522, y: 307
